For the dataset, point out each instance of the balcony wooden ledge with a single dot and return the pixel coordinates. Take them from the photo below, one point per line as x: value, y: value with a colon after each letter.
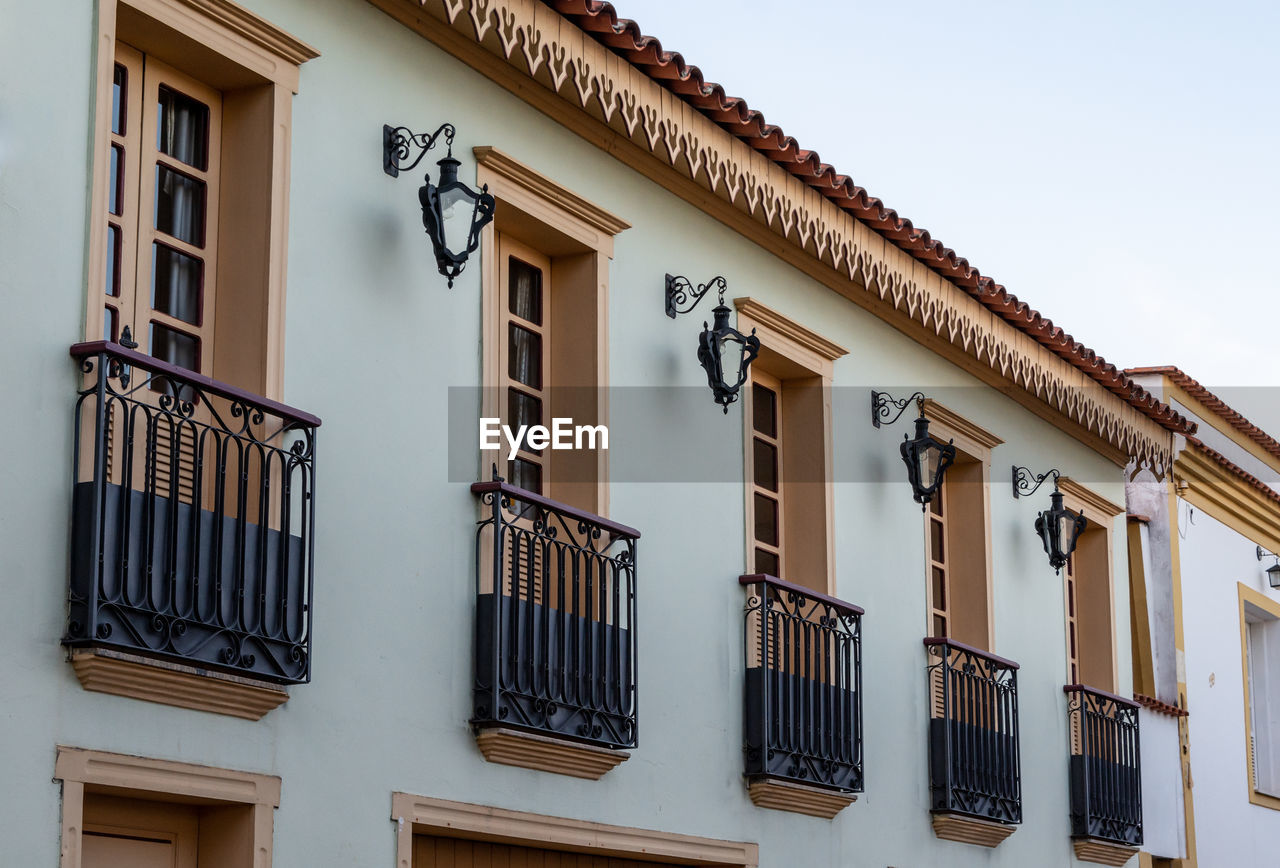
x: 107, y: 671
x: 781, y: 795
x: 546, y: 753
x: 970, y: 830
x: 1102, y: 852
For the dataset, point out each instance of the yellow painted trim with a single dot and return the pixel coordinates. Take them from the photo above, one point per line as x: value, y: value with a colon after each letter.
x: 1179, y: 644
x: 1246, y: 594
x: 424, y: 815
x: 1174, y: 392
x: 1226, y: 497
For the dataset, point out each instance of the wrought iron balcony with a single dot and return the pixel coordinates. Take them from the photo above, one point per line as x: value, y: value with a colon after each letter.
x: 1106, y: 766
x: 192, y: 519
x: 555, y: 619
x: 803, y: 698
x: 974, y: 766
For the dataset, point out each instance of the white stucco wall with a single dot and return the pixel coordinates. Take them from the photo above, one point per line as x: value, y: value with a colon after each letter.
x: 1214, y: 560
x: 374, y: 341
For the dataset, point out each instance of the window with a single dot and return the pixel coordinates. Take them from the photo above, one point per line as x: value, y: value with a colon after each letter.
x: 127, y: 810
x: 1260, y: 644
x: 788, y: 450
x: 545, y: 276
x: 188, y: 250
x: 958, y: 537
x: 1087, y: 589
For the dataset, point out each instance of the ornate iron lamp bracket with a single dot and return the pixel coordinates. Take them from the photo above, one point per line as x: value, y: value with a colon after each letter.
x: 680, y: 289
x: 882, y: 402
x: 399, y: 143
x: 1025, y: 483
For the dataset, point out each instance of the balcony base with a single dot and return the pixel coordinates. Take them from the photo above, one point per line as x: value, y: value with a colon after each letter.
x: 548, y: 754
x: 107, y: 671
x: 798, y: 798
x: 1102, y: 852
x: 969, y: 830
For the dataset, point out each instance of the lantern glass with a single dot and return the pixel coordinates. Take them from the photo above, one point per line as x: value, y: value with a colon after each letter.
x: 1273, y: 575
x: 927, y: 460
x: 457, y: 210
x: 726, y: 355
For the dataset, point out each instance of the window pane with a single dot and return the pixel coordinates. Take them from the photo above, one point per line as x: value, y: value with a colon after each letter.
x: 109, y: 324
x: 524, y: 356
x: 764, y: 404
x: 935, y: 504
x: 766, y: 520
x: 183, y: 128
x: 175, y: 347
x: 119, y: 86
x: 936, y: 550
x: 117, y: 179
x: 523, y: 409
x: 175, y: 283
x: 526, y: 475
x: 767, y: 562
x: 939, y: 626
x: 939, y: 589
x: 766, y: 465
x: 525, y: 291
x: 113, y: 260
x: 180, y: 206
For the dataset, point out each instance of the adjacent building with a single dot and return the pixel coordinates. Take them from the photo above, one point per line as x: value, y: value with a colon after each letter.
x: 270, y: 598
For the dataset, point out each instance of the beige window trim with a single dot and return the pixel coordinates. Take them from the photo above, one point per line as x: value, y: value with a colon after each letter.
x: 577, y: 236
x: 975, y: 442
x: 255, y: 65
x: 795, y: 356
x: 1097, y: 603
x: 1248, y: 596
x: 424, y: 815
x: 89, y: 771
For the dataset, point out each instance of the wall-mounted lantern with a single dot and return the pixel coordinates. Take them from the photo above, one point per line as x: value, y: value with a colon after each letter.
x: 927, y: 458
x: 1273, y: 571
x: 724, y: 352
x: 1058, y: 527
x: 452, y: 213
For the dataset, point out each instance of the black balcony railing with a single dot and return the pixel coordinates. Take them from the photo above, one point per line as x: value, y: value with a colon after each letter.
x: 555, y: 619
x: 974, y: 764
x: 192, y: 519
x: 1106, y: 766
x: 803, y: 698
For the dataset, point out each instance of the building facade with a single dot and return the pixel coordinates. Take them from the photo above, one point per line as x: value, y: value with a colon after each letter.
x: 1205, y: 607
x: 271, y: 600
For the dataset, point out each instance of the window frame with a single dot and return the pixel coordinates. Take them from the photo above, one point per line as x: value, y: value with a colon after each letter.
x: 255, y: 65
x: 791, y: 353
x: 974, y: 445
x: 1101, y: 515
x: 577, y: 237
x: 1253, y: 604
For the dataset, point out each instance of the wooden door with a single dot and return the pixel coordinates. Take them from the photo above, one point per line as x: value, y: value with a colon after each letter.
x: 135, y: 833
x: 430, y: 852
x: 111, y: 851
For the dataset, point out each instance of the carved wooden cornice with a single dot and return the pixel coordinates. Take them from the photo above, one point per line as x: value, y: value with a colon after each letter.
x: 609, y: 102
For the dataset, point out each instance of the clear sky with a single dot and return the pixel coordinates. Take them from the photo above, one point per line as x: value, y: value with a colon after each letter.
x: 1114, y: 164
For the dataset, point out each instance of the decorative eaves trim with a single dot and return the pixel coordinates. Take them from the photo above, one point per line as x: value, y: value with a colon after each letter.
x: 542, y: 186
x: 789, y: 328
x: 241, y: 21
x: 444, y: 817
x: 1088, y: 497
x: 935, y: 412
x: 548, y: 61
x: 1210, y: 481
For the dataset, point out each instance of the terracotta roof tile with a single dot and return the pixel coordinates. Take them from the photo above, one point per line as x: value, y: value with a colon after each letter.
x: 624, y: 37
x: 1215, y: 405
